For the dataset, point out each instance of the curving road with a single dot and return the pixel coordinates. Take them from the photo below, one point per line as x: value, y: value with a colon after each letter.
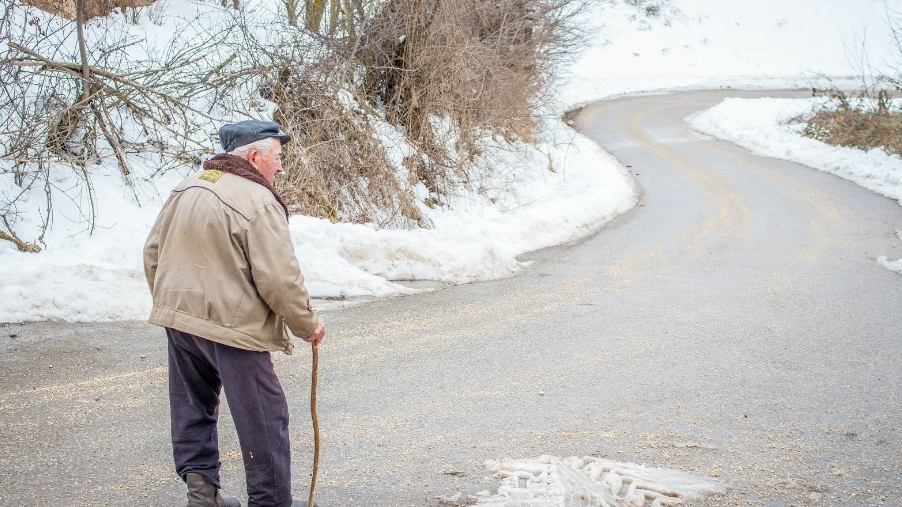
x: 735, y: 325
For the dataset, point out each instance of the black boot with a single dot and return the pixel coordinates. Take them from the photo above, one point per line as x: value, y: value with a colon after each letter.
x: 203, y: 494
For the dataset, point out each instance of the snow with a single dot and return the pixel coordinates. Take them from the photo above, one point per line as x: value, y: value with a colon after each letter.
x: 550, y: 481
x: 704, y: 44
x: 764, y: 126
x: 555, y: 193
x: 560, y: 191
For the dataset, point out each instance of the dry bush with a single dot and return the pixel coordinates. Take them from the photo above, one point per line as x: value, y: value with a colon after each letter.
x: 482, y: 64
x: 336, y: 166
x: 857, y: 123
x: 338, y: 169
x: 870, y: 118
x: 92, y: 8
x: 63, y: 111
x: 446, y: 73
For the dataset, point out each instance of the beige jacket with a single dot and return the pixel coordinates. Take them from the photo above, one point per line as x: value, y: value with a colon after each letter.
x: 221, y: 265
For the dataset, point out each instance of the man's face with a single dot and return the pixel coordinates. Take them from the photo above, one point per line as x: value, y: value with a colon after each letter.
x: 268, y: 164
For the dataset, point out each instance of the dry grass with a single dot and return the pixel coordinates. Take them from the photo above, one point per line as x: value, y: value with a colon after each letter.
x: 338, y: 169
x: 481, y: 64
x: 446, y: 73
x: 855, y: 123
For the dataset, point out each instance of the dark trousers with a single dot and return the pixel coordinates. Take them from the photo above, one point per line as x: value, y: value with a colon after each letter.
x: 198, y: 370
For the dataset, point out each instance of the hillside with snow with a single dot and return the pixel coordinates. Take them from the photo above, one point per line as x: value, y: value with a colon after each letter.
x: 559, y: 190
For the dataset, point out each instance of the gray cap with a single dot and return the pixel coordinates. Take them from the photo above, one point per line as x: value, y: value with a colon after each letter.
x: 233, y: 135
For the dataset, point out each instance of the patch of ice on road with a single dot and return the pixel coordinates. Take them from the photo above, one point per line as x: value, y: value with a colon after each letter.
x: 549, y: 481
x: 895, y: 265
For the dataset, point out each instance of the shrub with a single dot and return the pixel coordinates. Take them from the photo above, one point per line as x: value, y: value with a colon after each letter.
x: 857, y: 123
x: 446, y: 74
x: 482, y: 64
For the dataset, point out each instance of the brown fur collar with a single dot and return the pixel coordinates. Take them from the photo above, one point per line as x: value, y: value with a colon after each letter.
x: 241, y: 167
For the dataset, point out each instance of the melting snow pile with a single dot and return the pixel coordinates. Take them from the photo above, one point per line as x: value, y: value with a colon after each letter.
x: 549, y: 481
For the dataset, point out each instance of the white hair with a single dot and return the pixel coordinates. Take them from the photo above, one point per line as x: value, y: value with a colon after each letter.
x: 264, y: 146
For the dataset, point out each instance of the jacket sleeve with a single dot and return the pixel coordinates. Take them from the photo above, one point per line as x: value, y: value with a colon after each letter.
x: 275, y: 270
x: 151, y: 254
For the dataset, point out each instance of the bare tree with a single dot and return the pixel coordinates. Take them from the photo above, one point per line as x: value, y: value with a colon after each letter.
x: 65, y: 107
x: 448, y: 74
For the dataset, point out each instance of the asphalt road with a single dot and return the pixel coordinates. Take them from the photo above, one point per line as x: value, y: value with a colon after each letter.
x: 734, y: 325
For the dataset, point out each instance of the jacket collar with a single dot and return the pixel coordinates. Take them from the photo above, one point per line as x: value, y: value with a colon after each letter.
x: 240, y: 167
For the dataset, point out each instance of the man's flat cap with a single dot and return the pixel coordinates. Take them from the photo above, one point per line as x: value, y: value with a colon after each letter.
x: 233, y: 135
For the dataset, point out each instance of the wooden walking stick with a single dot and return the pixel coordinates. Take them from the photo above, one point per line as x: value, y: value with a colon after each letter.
x: 315, y: 425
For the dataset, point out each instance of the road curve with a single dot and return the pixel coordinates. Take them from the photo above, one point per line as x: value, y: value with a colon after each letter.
x: 735, y: 324
x: 779, y: 336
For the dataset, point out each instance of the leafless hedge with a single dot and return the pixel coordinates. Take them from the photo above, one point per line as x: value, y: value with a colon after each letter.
x: 338, y: 166
x: 445, y: 73
x: 870, y: 117
x: 481, y: 63
x: 61, y: 108
x: 448, y: 73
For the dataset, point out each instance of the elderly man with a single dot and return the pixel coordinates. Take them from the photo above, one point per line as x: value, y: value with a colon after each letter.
x: 225, y: 283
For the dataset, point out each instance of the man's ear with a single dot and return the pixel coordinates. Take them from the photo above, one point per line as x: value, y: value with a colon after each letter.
x: 252, y: 157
